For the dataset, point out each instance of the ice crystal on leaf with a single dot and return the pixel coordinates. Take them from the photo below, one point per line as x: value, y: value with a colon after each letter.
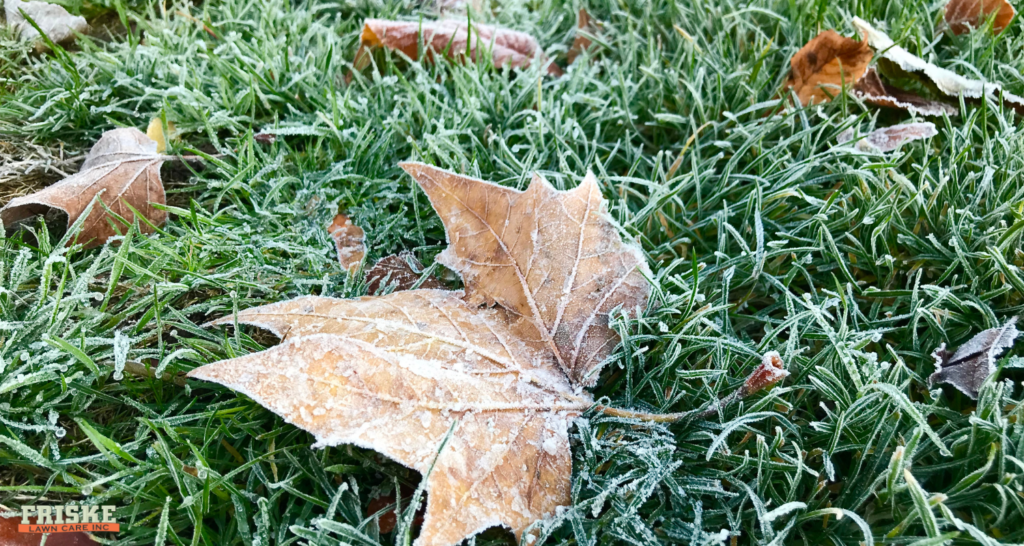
x: 505, y: 362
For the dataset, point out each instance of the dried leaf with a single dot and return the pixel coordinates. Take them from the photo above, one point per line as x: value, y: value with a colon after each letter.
x: 584, y: 24
x: 555, y: 258
x: 871, y: 89
x: 888, y: 139
x: 477, y: 398
x: 123, y: 168
x: 348, y: 240
x: 55, y: 21
x: 770, y: 371
x: 962, y: 16
x: 402, y: 271
x: 827, y: 62
x: 394, y: 373
x: 971, y: 364
x: 946, y: 81
x: 453, y: 38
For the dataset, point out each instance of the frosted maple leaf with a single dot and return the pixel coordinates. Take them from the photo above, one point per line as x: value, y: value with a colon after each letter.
x: 499, y: 370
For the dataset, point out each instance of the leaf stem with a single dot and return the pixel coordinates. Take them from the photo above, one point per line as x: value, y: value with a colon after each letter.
x: 673, y: 417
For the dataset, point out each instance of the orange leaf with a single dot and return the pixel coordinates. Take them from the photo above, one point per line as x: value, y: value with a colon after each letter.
x: 456, y: 39
x: 478, y: 398
x: 552, y: 257
x: 962, y: 16
x: 825, y: 64
x: 123, y: 168
x: 348, y: 240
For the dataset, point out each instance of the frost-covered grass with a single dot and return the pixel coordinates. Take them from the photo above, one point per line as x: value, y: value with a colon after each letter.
x: 763, y: 233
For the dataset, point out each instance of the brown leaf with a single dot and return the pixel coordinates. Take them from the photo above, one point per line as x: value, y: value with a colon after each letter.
x: 888, y: 139
x: 477, y: 398
x: 55, y: 21
x: 873, y: 90
x: 348, y: 240
x: 962, y: 16
x: 584, y: 24
x: 825, y: 64
x: 123, y: 168
x: 395, y: 373
x: 948, y: 82
x: 555, y: 258
x: 973, y: 363
x: 402, y: 271
x: 453, y: 38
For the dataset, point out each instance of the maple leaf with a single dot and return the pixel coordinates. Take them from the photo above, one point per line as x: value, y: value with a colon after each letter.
x: 454, y: 38
x: 552, y: 257
x: 821, y: 67
x: 348, y: 241
x: 475, y: 390
x: 123, y: 167
x: 55, y: 21
x: 962, y: 16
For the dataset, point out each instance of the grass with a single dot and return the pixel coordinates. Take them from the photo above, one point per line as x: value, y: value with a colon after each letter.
x: 765, y: 235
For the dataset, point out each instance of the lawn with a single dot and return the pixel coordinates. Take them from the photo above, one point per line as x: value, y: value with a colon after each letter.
x: 763, y: 233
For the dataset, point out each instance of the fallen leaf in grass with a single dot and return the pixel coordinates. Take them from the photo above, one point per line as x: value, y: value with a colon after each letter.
x: 871, y: 89
x: 478, y: 398
x: 453, y: 38
x: 348, y: 240
x: 972, y: 363
x: 155, y: 131
x: 946, y: 81
x: 123, y: 168
x: 888, y: 139
x: 962, y: 16
x: 402, y: 271
x: 55, y: 21
x: 585, y: 24
x: 820, y: 69
x: 553, y: 257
